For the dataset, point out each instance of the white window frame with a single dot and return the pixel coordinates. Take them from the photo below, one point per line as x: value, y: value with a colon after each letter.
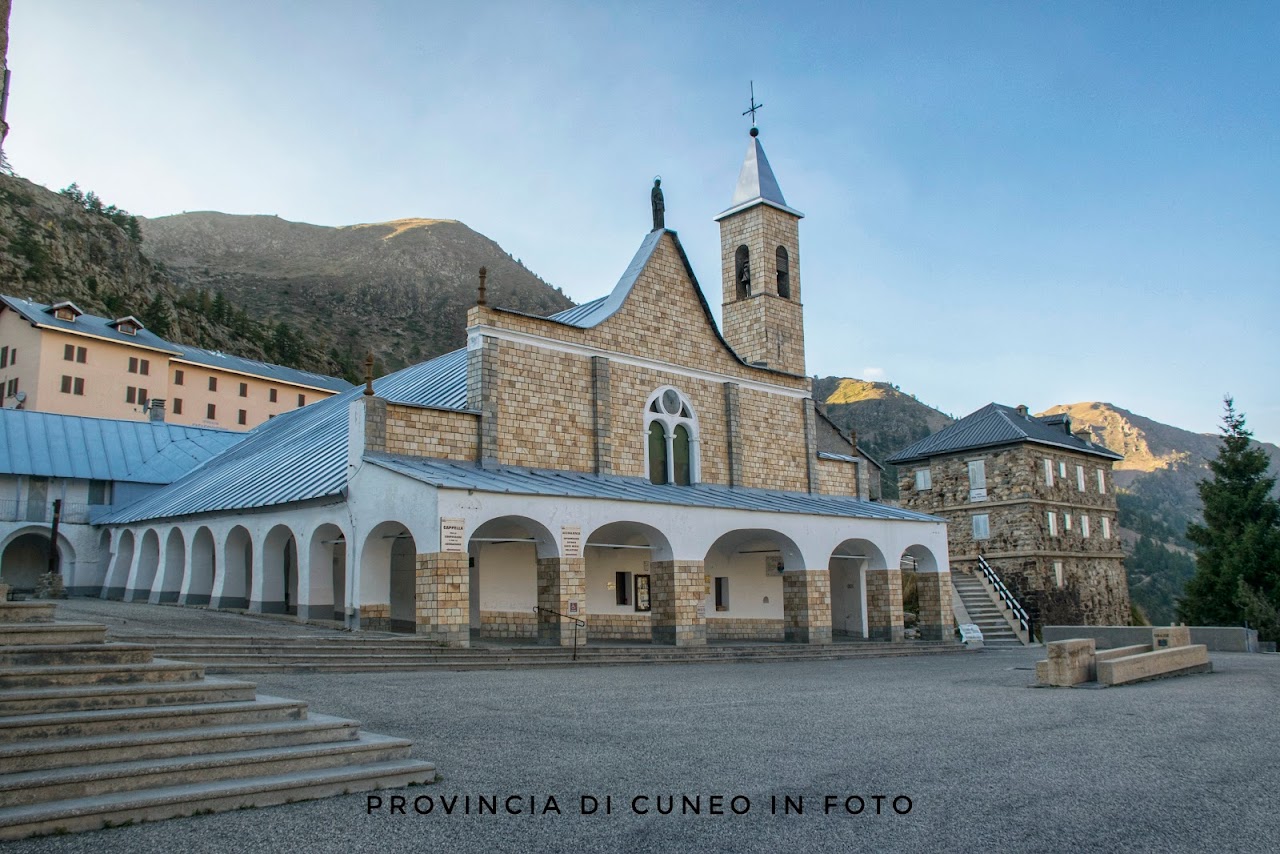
x: 669, y: 423
x: 1066, y: 523
x: 981, y: 526
x: 1062, y: 469
x: 1053, y: 524
x: 1048, y: 472
x: 924, y: 479
x: 1106, y: 528
x: 1080, y: 478
x: 1084, y: 526
x: 1102, y: 481
x: 1058, y: 575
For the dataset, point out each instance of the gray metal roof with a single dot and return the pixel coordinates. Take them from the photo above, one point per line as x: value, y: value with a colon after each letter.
x: 996, y: 424
x: 87, y: 324
x: 569, y: 484
x: 300, y: 455
x: 280, y: 373
x: 756, y: 183
x: 47, y: 445
x: 596, y: 311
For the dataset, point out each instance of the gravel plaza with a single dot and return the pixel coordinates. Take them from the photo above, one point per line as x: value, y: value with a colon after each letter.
x: 987, y: 762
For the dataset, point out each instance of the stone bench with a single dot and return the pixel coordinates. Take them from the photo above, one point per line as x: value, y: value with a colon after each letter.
x: 1171, y: 661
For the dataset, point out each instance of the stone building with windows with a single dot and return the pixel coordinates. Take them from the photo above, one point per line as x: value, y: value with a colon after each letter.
x: 623, y: 463
x: 1035, y: 500
x: 57, y: 358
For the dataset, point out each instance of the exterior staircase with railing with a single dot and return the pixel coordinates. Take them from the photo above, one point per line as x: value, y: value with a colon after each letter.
x: 992, y: 608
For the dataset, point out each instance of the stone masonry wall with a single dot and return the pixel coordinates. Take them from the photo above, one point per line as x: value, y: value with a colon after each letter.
x: 837, y: 478
x: 763, y: 326
x: 806, y: 597
x: 1021, y: 547
x: 678, y: 590
x: 884, y: 605
x: 442, y: 597
x: 744, y: 629
x: 440, y: 433
x: 545, y: 412
x: 620, y: 627
x: 662, y: 318
x: 508, y: 624
x: 773, y: 441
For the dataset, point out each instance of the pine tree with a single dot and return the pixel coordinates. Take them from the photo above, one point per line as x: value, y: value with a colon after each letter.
x: 1238, y: 546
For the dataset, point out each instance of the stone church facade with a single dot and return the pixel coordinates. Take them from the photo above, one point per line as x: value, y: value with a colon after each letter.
x: 1036, y: 500
x: 622, y: 463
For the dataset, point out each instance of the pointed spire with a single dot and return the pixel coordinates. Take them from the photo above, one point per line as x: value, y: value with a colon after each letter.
x: 756, y: 181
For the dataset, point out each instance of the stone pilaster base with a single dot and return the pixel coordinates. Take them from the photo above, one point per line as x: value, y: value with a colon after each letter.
x: 884, y: 604
x: 806, y: 606
x: 678, y: 587
x: 442, y: 597
x: 375, y: 617
x: 234, y: 602
x: 562, y: 581
x: 937, y: 622
x: 321, y: 611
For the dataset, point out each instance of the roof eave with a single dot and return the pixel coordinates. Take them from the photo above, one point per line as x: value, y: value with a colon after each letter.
x: 758, y: 200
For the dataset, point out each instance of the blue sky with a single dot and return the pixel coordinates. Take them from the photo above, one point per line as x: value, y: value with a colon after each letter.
x: 1033, y: 203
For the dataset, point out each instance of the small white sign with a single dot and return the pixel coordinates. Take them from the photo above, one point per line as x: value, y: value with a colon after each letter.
x: 451, y: 535
x: 970, y: 635
x: 573, y: 608
x: 571, y: 540
x: 702, y: 610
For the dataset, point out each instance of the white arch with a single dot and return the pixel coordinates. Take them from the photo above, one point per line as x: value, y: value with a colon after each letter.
x: 168, y: 583
x: 147, y: 562
x: 197, y: 582
x: 672, y: 412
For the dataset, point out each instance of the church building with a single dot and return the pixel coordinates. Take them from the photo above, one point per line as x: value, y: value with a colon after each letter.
x: 623, y: 468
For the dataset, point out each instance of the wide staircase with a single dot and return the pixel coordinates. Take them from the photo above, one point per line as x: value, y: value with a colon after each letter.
x: 372, y: 652
x: 98, y: 734
x: 985, y: 611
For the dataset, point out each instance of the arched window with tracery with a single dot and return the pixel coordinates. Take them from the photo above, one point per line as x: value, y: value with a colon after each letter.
x: 784, y: 273
x: 742, y: 271
x: 671, y: 433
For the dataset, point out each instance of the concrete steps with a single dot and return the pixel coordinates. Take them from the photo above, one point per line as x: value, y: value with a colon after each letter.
x: 113, y: 810
x: 87, y: 698
x: 44, y: 785
x: 269, y: 654
x: 984, y: 612
x: 119, y: 747
x: 36, y: 676
x: 95, y: 734
x: 26, y: 612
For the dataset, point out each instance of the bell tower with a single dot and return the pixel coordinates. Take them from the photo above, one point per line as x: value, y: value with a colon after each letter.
x: 760, y: 264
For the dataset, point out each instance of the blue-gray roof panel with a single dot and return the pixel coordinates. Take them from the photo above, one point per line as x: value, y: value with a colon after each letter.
x: 43, y: 444
x: 300, y: 455
x: 569, y: 484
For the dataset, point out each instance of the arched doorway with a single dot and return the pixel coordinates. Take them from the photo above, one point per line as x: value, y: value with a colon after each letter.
x: 198, y: 588
x: 232, y: 587
x: 745, y: 585
x: 119, y: 566
x: 388, y: 575
x: 503, y: 556
x: 848, y: 566
x: 619, y: 591
x: 929, y: 594
x: 169, y: 583
x: 148, y: 564
x: 325, y: 597
x: 279, y: 573
x: 24, y: 561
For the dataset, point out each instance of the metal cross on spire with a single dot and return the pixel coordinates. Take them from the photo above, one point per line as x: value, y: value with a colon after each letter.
x: 754, y: 106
